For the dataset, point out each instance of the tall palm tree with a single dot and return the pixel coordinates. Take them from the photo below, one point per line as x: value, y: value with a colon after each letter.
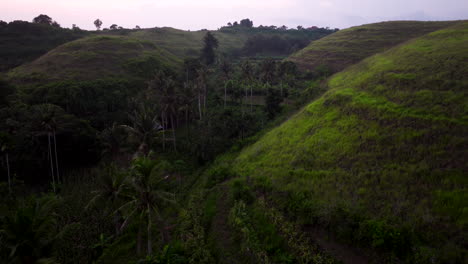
x: 164, y: 90
x: 146, y: 197
x: 247, y: 75
x: 201, y: 84
x: 225, y: 67
x: 5, y: 143
x: 50, y: 119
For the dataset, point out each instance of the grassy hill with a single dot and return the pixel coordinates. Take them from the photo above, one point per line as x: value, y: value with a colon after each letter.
x: 94, y: 58
x: 188, y: 43
x: 349, y: 46
x: 231, y: 39
x: 380, y: 159
x: 22, y: 42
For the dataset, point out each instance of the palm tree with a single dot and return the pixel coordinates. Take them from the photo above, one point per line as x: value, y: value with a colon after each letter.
x: 113, y: 139
x: 5, y: 142
x: 225, y: 69
x: 201, y: 84
x: 29, y: 232
x: 145, y: 125
x: 247, y: 75
x: 145, y: 198
x: 164, y: 90
x: 51, y: 118
x: 268, y: 71
x: 111, y: 188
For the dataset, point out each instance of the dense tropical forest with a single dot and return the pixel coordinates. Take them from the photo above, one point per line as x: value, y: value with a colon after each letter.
x: 246, y: 144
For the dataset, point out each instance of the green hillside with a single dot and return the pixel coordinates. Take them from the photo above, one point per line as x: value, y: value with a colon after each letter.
x: 231, y: 39
x: 96, y: 57
x: 380, y: 159
x: 22, y: 42
x: 188, y: 43
x: 349, y: 46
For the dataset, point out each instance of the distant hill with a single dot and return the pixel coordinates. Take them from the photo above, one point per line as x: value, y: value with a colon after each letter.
x: 96, y: 57
x: 346, y: 47
x: 22, y: 42
x: 380, y: 159
x: 231, y: 39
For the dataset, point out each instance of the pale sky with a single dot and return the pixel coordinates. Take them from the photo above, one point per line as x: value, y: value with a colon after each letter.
x: 211, y: 14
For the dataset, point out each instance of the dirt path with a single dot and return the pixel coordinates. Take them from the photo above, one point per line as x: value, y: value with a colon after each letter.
x: 221, y: 232
x: 341, y: 252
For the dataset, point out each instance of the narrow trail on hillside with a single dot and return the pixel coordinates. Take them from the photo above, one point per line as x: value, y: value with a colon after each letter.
x: 341, y: 252
x: 229, y: 253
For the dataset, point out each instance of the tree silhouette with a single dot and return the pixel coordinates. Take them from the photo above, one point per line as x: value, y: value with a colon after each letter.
x: 208, y: 55
x: 43, y: 19
x: 5, y: 145
x: 144, y: 127
x: 29, y: 232
x: 146, y: 197
x: 111, y: 187
x: 98, y: 24
x: 50, y: 118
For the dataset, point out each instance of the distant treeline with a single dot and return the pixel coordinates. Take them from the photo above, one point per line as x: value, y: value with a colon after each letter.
x: 273, y: 45
x: 274, y: 40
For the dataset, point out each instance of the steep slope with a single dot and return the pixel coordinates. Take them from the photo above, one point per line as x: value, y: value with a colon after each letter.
x: 380, y: 159
x: 346, y: 47
x: 96, y: 57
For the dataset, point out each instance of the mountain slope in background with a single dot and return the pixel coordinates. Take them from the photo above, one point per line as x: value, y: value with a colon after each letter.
x: 94, y: 58
x: 22, y: 42
x: 380, y: 159
x: 346, y: 47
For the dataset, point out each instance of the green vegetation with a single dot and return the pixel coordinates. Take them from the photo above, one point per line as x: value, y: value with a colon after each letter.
x: 97, y: 57
x: 378, y: 160
x: 165, y: 146
x: 346, y: 47
x: 22, y: 42
x: 233, y: 41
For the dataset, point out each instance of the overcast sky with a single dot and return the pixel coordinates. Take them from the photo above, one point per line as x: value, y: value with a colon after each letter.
x: 211, y: 14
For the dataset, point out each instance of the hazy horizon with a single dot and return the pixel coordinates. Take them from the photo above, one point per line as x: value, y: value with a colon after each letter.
x: 212, y: 14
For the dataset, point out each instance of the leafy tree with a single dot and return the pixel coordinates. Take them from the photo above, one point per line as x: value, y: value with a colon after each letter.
x: 43, y: 19
x: 268, y: 71
x: 273, y: 101
x: 208, y: 55
x: 246, y: 23
x: 55, y: 24
x: 113, y: 27
x: 98, y: 24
